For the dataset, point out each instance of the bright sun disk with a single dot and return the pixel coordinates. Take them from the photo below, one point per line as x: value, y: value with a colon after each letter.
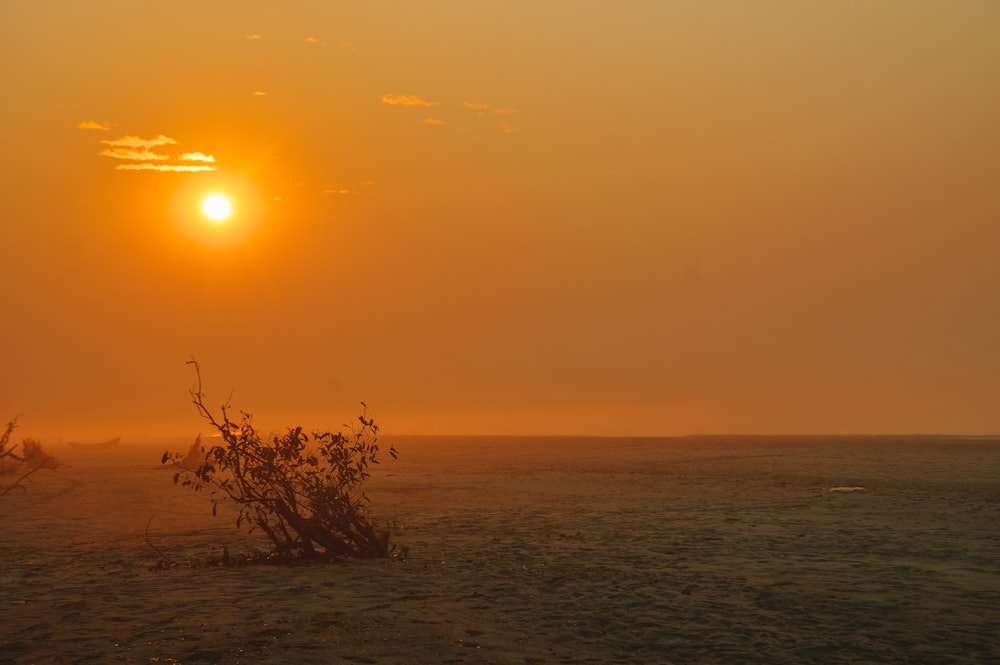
x: 217, y: 207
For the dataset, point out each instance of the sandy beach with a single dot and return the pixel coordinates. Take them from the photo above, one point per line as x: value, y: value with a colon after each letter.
x: 533, y: 550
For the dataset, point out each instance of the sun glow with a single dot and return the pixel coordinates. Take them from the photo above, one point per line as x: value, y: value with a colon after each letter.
x: 218, y: 210
x: 217, y: 207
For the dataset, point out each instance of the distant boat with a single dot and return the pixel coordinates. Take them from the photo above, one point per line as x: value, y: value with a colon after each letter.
x: 100, y: 445
x: 194, y: 458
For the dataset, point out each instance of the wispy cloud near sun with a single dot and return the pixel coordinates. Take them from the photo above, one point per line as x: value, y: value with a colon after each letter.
x: 482, y: 110
x: 139, y: 149
x: 172, y: 168
x: 137, y: 142
x: 196, y: 157
x: 128, y: 153
x: 499, y: 110
x: 406, y: 100
x: 100, y: 126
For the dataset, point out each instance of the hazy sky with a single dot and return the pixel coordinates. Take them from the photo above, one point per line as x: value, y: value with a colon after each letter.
x: 638, y: 217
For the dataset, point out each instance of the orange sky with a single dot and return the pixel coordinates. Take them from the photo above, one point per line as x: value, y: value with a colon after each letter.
x: 569, y: 217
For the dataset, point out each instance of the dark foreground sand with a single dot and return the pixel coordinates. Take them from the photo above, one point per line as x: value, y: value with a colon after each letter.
x: 535, y: 551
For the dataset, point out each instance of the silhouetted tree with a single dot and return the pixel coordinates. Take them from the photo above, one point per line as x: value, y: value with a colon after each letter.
x: 22, y: 463
x: 303, y: 492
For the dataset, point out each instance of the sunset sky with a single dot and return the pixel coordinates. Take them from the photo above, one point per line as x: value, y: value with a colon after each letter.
x: 577, y: 217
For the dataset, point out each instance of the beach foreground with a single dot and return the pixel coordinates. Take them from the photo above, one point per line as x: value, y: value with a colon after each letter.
x: 534, y: 550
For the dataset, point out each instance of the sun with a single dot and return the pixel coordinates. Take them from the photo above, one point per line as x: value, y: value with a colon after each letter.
x: 217, y: 207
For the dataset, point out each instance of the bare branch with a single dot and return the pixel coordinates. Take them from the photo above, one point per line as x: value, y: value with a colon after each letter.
x: 24, y: 464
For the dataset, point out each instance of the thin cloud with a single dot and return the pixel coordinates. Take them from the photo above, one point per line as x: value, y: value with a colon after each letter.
x: 433, y: 121
x: 258, y: 93
x: 499, y: 110
x: 406, y: 100
x: 90, y: 124
x: 254, y: 37
x: 138, y: 142
x: 312, y: 40
x: 196, y: 157
x: 136, y: 155
x: 507, y: 129
x: 137, y: 149
x: 171, y: 168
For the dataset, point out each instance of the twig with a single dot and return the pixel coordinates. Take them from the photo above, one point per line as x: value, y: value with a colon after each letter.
x: 163, y: 557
